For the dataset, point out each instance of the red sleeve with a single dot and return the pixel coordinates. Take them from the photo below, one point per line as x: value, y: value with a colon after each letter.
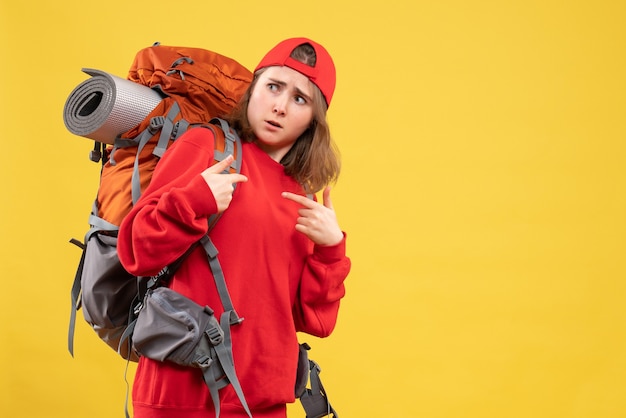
x: 172, y: 213
x: 321, y: 289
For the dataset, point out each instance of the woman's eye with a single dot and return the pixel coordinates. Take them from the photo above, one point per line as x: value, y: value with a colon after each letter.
x: 300, y: 100
x: 272, y: 87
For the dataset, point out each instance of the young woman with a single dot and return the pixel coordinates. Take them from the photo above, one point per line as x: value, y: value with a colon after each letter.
x: 282, y: 253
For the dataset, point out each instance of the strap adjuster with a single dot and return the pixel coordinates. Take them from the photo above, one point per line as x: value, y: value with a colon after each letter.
x: 214, y: 332
x: 156, y: 123
x: 204, y: 362
x: 215, y: 335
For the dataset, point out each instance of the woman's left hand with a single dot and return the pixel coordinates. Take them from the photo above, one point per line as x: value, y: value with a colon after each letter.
x: 317, y: 221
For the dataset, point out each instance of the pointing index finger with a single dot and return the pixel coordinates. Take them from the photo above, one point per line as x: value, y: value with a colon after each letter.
x: 221, y: 166
x: 302, y: 200
x: 326, y: 198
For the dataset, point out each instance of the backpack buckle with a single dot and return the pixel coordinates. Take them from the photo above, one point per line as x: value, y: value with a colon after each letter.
x: 174, y: 133
x: 95, y: 154
x: 138, y: 308
x: 215, y: 335
x: 156, y: 123
x: 204, y: 362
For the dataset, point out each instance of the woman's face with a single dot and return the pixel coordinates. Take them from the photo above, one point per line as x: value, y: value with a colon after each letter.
x: 280, y: 109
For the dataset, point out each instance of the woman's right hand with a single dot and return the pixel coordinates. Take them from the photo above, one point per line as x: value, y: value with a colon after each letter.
x: 221, y: 184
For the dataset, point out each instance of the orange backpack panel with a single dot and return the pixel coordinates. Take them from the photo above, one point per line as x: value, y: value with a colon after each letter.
x: 202, y: 84
x: 211, y: 83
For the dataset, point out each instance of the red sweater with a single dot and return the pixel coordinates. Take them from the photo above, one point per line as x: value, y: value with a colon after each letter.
x: 279, y: 281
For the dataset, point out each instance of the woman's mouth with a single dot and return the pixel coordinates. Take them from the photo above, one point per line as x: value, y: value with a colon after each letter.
x: 273, y: 123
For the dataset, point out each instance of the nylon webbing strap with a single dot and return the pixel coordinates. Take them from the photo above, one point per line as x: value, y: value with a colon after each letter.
x: 166, y: 130
x: 225, y: 356
x: 120, y: 143
x: 128, y: 331
x: 218, y: 275
x: 75, y: 297
x: 223, y: 350
x: 211, y: 382
x: 99, y: 224
x: 135, y: 180
x: 166, y: 125
x: 232, y: 143
x: 212, y: 374
x: 315, y: 400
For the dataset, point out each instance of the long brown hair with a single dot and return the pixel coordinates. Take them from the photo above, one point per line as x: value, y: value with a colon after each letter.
x: 313, y: 160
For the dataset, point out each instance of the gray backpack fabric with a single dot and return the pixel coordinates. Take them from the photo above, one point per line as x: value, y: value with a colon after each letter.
x: 111, y: 294
x: 108, y: 295
x: 173, y: 328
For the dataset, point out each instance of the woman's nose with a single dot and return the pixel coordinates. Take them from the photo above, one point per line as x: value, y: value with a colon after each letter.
x: 280, y: 106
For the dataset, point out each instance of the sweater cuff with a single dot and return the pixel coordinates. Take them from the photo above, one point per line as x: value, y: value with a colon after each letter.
x: 200, y: 197
x: 331, y: 254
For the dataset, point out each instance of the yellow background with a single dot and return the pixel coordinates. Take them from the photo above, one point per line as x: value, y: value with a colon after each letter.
x: 483, y: 192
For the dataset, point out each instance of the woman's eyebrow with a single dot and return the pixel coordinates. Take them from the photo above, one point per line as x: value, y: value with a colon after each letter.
x: 301, y: 93
x: 281, y: 83
x: 284, y: 84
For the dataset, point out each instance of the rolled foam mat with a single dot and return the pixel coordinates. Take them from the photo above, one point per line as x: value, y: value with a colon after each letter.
x: 105, y: 106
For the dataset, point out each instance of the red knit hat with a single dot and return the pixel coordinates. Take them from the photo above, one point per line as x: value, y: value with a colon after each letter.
x: 322, y: 75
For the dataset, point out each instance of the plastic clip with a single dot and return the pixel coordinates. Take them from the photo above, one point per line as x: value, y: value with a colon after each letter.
x: 156, y: 123
x: 204, y: 362
x: 234, y: 318
x: 175, y: 128
x: 138, y: 308
x: 95, y: 154
x: 215, y: 335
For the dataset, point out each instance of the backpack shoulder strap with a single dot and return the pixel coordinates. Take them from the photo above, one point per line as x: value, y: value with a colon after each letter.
x: 227, y: 143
